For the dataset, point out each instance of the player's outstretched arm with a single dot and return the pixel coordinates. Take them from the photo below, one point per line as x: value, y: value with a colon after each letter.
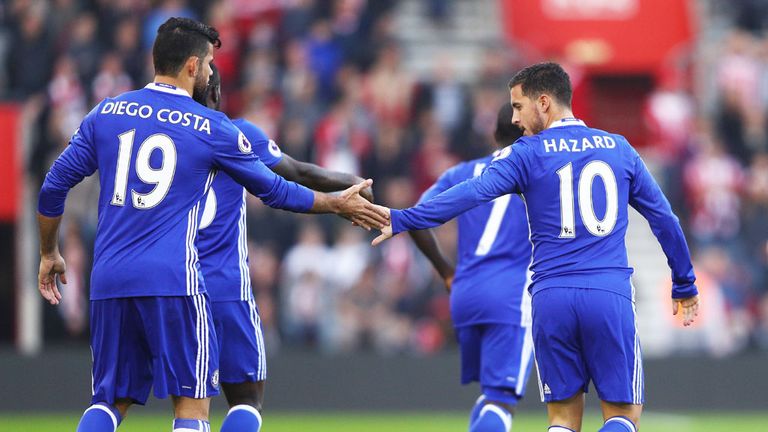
x: 690, y: 306
x: 500, y: 178
x: 318, y: 178
x: 52, y: 265
x: 352, y: 206
x: 427, y: 243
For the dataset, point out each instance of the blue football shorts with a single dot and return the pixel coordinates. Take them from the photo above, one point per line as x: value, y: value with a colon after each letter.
x: 241, y: 341
x: 499, y: 356
x: 165, y: 343
x: 582, y: 335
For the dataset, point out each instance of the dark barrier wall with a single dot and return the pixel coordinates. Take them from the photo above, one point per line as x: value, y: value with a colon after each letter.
x: 59, y: 380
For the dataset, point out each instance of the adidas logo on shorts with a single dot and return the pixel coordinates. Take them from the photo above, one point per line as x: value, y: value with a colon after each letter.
x: 547, y: 390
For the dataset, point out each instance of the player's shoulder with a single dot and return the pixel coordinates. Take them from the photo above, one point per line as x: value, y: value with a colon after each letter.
x: 264, y: 147
x: 109, y: 105
x: 252, y: 131
x: 141, y: 93
x: 617, y: 137
x: 471, y: 166
x: 219, y: 118
x: 619, y: 141
x: 522, y: 147
x: 222, y: 127
x: 465, y: 169
x: 481, y: 160
x: 137, y: 98
x: 526, y: 140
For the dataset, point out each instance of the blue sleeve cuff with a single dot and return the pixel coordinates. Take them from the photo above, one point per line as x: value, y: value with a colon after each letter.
x: 306, y: 199
x: 684, y: 291
x: 296, y: 198
x: 50, y: 203
x: 395, y: 218
x: 286, y: 195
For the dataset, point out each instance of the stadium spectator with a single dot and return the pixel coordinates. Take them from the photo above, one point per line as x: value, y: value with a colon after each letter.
x: 29, y: 74
x: 111, y: 80
x: 738, y: 78
x: 433, y: 157
x: 84, y: 48
x: 67, y: 97
x: 325, y: 58
x: 714, y: 200
x: 304, y: 286
x: 126, y: 47
x: 388, y: 87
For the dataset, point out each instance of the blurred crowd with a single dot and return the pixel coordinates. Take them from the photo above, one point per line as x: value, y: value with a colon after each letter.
x: 711, y: 140
x: 325, y: 78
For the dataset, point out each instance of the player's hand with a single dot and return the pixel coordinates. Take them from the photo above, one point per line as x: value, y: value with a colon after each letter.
x: 352, y: 206
x: 386, y: 233
x: 52, y: 267
x: 690, y: 307
x: 366, y: 193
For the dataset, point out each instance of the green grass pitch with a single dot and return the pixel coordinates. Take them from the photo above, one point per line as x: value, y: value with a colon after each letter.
x: 394, y: 422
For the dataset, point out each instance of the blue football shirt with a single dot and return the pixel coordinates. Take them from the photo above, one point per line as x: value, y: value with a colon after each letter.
x: 494, y: 253
x: 223, y: 245
x: 157, y: 152
x: 577, y: 183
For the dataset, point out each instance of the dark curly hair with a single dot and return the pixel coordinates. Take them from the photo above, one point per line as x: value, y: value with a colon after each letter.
x: 542, y: 78
x: 179, y: 39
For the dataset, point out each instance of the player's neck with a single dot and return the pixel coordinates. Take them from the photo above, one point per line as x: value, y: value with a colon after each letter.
x: 557, y: 115
x: 173, y: 81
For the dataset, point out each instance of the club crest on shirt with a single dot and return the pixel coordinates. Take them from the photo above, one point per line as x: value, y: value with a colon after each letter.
x: 243, y: 144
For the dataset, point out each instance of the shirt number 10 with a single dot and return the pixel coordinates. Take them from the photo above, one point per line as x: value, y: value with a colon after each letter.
x: 596, y: 227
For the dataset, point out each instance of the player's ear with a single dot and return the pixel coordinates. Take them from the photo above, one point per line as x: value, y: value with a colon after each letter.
x: 543, y: 102
x: 192, y: 65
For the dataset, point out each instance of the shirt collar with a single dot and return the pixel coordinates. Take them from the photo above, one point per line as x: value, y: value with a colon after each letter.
x: 167, y: 88
x: 568, y: 121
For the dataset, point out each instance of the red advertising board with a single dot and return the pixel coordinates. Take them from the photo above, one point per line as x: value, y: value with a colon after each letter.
x: 607, y: 36
x: 10, y: 173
